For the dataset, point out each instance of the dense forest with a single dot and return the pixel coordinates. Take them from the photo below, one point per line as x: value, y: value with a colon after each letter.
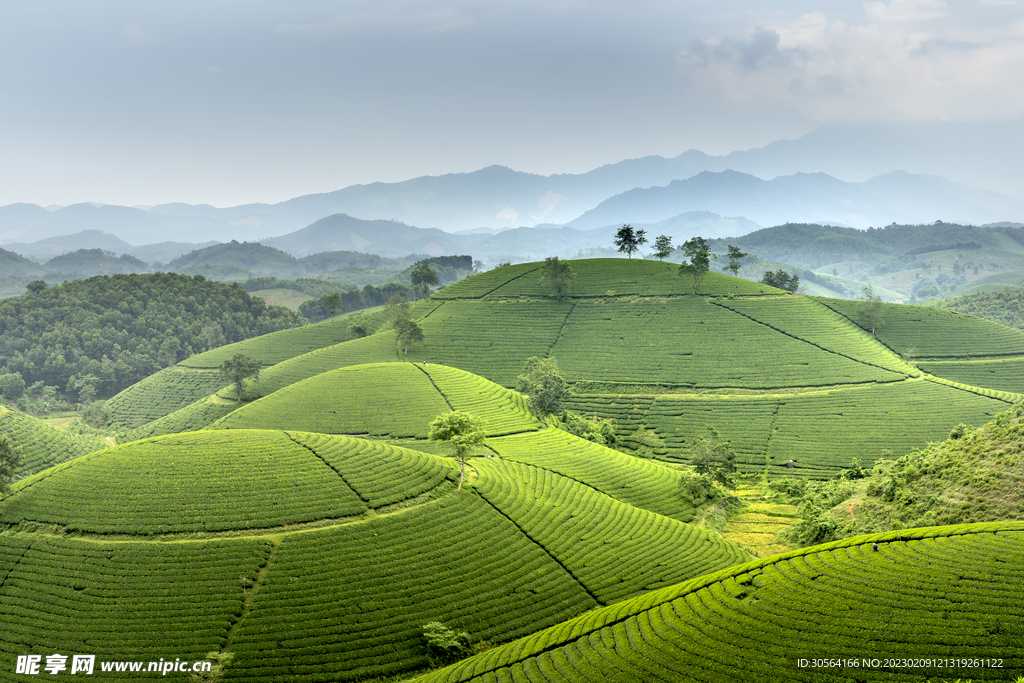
x: 97, y: 336
x: 1004, y: 306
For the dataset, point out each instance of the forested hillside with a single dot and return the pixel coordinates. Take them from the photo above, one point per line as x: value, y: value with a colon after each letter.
x: 103, y: 334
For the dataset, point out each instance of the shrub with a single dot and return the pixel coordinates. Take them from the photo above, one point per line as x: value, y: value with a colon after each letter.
x: 444, y: 645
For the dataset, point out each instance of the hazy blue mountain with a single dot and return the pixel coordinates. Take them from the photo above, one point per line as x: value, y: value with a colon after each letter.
x: 89, y: 262
x: 162, y: 252
x: 61, y: 244
x: 15, y: 217
x: 342, y: 232
x: 807, y: 198
x: 16, y: 265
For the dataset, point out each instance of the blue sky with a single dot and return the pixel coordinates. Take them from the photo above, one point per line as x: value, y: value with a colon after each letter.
x: 230, y: 102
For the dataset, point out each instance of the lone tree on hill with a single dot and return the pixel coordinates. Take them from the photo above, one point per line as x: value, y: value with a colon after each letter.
x: 663, y: 247
x: 698, y: 251
x: 332, y: 302
x: 629, y: 240
x: 558, y: 275
x: 873, y: 307
x: 10, y: 458
x: 460, y: 430
x: 734, y: 259
x: 409, y: 332
x: 712, y: 456
x: 543, y: 385
x: 422, y: 277
x: 239, y: 369
x: 781, y: 279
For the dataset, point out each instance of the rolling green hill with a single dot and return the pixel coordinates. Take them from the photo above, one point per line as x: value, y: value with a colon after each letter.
x: 329, y: 553
x: 783, y: 378
x: 385, y: 399
x: 922, y: 593
x: 42, y: 446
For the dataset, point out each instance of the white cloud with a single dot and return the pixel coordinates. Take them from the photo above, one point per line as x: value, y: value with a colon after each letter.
x: 908, y: 60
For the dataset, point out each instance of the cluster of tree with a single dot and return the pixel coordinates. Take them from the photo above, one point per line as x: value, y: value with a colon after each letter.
x: 1004, y: 306
x: 714, y: 468
x: 10, y: 458
x: 697, y: 252
x: 810, y: 245
x: 369, y: 296
x: 781, y: 279
x: 307, y: 285
x: 97, y: 336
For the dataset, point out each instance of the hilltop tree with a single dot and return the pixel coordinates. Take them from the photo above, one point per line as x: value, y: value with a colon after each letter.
x: 462, y: 432
x: 239, y: 369
x: 424, y: 278
x: 409, y: 332
x: 781, y: 279
x: 557, y: 275
x: 628, y: 240
x: 543, y: 385
x: 734, y: 259
x: 698, y: 251
x: 10, y: 458
x: 873, y: 307
x: 663, y: 247
x: 332, y: 302
x: 712, y: 456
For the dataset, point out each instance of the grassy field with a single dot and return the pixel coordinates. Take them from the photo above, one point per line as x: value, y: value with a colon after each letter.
x: 283, y: 297
x: 917, y: 594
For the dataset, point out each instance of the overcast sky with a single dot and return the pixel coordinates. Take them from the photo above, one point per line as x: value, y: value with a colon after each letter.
x: 228, y: 102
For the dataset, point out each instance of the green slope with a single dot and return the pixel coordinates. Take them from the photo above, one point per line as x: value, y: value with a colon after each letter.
x: 162, y: 393
x: 213, y: 481
x: 349, y: 547
x: 42, y: 446
x: 821, y: 431
x: 119, y: 601
x: 924, y: 332
x: 922, y: 595
x: 383, y: 399
x: 191, y: 418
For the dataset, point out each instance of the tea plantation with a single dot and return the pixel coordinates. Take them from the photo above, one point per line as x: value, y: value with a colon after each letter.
x: 324, y: 554
x: 940, y: 603
x: 300, y: 534
x: 42, y: 445
x: 383, y: 399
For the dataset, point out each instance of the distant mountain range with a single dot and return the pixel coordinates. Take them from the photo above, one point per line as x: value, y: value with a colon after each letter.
x: 497, y: 198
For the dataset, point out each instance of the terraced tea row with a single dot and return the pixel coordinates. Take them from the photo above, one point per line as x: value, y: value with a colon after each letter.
x: 349, y: 603
x: 940, y: 594
x: 691, y: 342
x: 608, y: 277
x: 923, y: 332
x: 143, y: 601
x: 822, y: 432
x: 383, y: 399
x: 161, y: 394
x: 191, y: 418
x: 41, y: 445
x: 807, y: 319
x: 1003, y: 375
x: 216, y: 481
x: 279, y: 346
x: 640, y: 483
x: 580, y: 526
